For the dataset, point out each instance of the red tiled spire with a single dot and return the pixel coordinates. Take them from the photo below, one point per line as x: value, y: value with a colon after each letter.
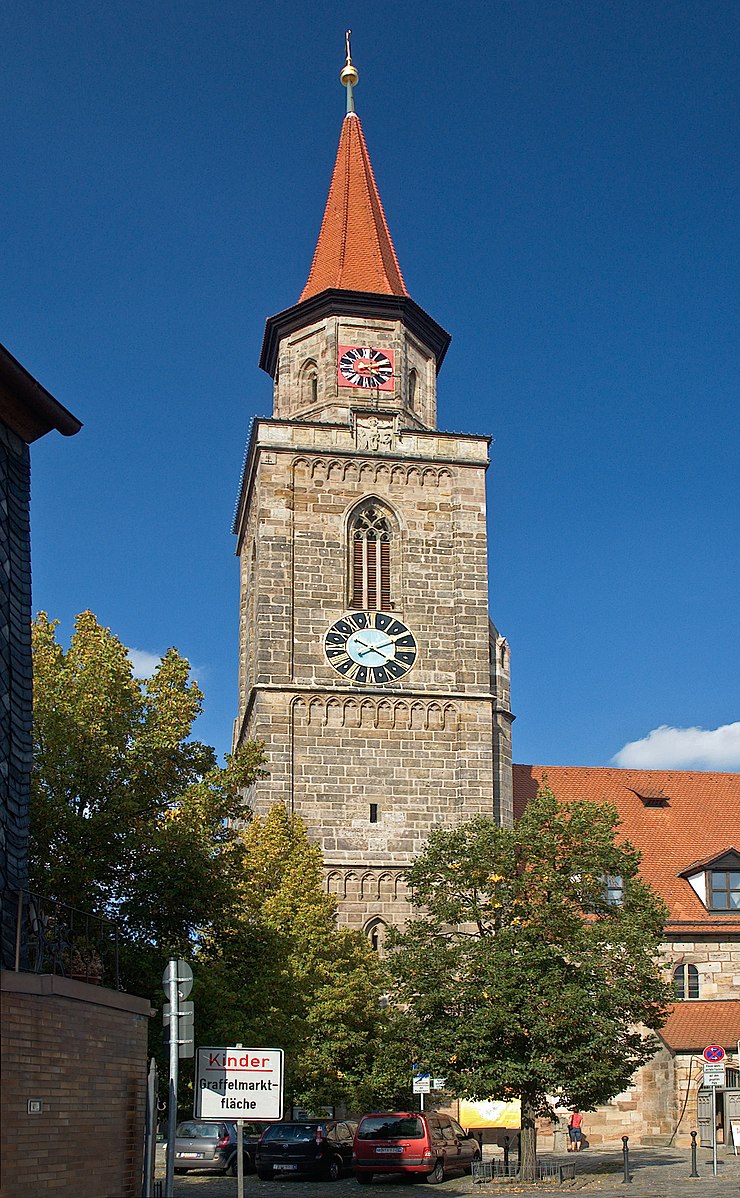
x: 354, y: 251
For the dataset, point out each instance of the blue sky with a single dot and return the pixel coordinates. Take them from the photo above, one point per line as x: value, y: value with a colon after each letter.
x: 561, y: 184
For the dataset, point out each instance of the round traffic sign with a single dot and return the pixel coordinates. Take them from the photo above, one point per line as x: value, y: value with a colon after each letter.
x: 714, y: 1053
x: 183, y: 976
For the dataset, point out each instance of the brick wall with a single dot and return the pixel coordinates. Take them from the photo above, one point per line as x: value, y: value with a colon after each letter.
x: 81, y: 1050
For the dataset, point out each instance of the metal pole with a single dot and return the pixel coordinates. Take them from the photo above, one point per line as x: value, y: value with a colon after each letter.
x: 239, y: 1151
x: 626, y: 1180
x: 169, y: 1184
x: 694, y: 1171
x: 150, y: 1140
x: 714, y: 1130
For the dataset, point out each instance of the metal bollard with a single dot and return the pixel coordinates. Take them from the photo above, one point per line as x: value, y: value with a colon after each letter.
x: 694, y: 1171
x: 626, y: 1154
x: 506, y: 1153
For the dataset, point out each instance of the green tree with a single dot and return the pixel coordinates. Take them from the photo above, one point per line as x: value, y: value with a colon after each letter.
x: 525, y: 975
x: 277, y: 972
x: 129, y: 815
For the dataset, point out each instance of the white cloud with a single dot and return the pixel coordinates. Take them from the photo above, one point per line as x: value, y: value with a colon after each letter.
x: 144, y: 663
x: 668, y: 748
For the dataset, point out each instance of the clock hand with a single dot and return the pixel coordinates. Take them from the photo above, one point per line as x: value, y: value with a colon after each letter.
x: 380, y: 645
x: 376, y: 649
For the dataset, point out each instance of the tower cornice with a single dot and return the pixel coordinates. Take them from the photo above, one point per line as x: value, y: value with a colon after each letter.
x: 336, y: 302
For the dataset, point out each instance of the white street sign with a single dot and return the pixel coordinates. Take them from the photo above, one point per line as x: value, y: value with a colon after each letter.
x: 714, y: 1074
x: 422, y: 1083
x: 239, y: 1083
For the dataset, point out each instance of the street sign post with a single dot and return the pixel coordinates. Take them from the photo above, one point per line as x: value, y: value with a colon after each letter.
x: 180, y: 1024
x: 177, y: 980
x: 714, y: 1078
x: 238, y: 1083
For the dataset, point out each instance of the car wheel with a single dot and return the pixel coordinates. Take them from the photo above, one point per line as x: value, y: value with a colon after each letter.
x: 364, y: 1179
x: 333, y: 1169
x: 264, y: 1174
x: 437, y: 1174
x: 232, y: 1170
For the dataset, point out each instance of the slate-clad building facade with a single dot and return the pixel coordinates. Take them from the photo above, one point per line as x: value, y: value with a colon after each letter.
x: 27, y: 412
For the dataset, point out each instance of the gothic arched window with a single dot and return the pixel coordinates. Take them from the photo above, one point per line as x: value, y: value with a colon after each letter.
x: 375, y: 931
x: 309, y: 382
x: 686, y: 981
x: 370, y: 558
x: 413, y: 379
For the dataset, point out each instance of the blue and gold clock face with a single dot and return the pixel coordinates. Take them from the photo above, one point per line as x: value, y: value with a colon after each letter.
x: 371, y: 647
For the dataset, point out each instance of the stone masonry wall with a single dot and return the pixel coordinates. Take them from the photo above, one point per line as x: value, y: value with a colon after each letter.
x: 718, y: 963
x: 420, y: 749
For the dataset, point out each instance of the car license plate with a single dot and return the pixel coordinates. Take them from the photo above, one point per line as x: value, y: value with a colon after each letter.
x: 190, y: 1156
x: 285, y: 1166
x: 389, y: 1149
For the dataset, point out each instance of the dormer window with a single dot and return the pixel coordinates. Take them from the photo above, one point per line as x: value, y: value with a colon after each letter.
x: 716, y: 881
x: 651, y: 796
x: 724, y: 889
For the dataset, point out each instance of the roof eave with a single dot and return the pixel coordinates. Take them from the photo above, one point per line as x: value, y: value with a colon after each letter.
x: 336, y: 302
x: 27, y: 407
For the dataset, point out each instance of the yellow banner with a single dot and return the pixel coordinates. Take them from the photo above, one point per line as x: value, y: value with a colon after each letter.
x: 490, y: 1114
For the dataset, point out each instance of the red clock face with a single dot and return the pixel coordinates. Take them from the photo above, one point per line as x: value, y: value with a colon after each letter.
x: 363, y: 366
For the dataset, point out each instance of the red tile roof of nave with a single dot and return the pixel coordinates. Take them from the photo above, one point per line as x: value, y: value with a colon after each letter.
x: 354, y: 251
x: 700, y: 821
x: 692, y: 1025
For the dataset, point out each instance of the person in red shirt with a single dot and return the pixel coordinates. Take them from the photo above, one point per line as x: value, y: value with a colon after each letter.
x: 575, y: 1131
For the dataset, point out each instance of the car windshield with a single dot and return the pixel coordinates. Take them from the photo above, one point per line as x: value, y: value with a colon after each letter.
x: 389, y: 1127
x: 200, y: 1131
x: 298, y: 1133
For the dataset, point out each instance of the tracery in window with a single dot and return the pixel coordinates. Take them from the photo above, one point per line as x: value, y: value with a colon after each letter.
x: 370, y: 562
x: 686, y: 981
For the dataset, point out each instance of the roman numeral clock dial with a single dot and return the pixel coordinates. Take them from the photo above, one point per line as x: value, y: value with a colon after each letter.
x: 365, y: 366
x: 371, y: 647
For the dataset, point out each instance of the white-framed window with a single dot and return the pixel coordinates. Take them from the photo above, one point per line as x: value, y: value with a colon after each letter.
x: 686, y: 982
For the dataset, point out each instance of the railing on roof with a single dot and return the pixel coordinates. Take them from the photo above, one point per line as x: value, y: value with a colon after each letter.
x: 52, y: 937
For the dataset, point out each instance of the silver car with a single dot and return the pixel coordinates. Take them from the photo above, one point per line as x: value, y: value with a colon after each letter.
x: 200, y: 1144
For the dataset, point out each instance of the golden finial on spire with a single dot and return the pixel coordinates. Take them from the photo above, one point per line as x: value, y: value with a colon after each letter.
x: 349, y: 76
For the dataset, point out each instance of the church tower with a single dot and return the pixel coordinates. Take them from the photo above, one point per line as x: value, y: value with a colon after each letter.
x: 368, y: 663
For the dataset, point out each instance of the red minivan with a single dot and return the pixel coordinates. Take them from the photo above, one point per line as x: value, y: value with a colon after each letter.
x: 411, y: 1142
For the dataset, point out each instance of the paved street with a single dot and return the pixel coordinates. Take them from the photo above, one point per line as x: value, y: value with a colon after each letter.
x: 656, y: 1173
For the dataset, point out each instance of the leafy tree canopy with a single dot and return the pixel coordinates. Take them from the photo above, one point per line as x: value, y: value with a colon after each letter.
x: 128, y: 814
x: 525, y: 975
x: 278, y: 972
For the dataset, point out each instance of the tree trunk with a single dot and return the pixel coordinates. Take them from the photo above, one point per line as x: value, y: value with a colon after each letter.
x: 528, y: 1141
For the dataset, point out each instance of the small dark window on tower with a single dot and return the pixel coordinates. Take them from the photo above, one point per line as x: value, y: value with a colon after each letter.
x: 374, y: 939
x: 413, y: 378
x: 373, y: 813
x: 309, y: 380
x: 686, y: 981
x: 370, y: 535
